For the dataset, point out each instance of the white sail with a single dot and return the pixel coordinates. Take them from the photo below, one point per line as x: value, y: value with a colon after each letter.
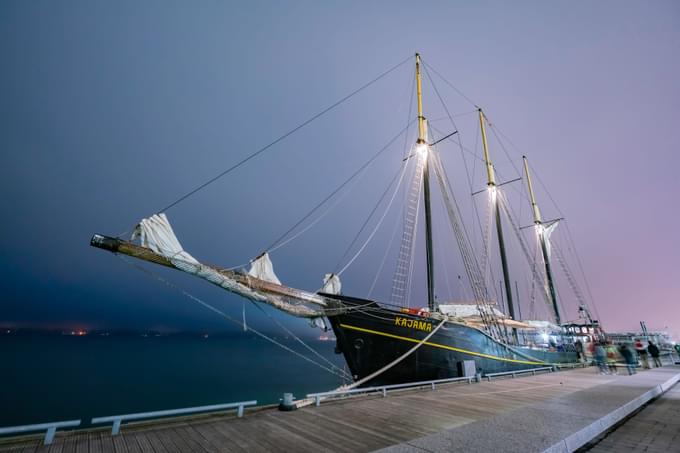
x: 262, y: 268
x: 331, y: 284
x: 547, y: 231
x: 259, y: 284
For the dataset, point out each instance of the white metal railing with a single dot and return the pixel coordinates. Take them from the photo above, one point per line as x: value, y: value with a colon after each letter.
x: 50, y: 427
x: 573, y: 365
x: 117, y: 419
x: 384, y: 388
x: 533, y: 371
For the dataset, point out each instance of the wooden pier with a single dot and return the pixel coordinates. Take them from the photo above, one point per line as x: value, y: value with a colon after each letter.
x: 505, y: 414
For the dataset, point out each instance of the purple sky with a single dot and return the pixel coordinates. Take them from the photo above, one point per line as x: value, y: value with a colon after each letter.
x: 111, y: 110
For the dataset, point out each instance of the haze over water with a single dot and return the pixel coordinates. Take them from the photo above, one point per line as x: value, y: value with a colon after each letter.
x: 56, y: 377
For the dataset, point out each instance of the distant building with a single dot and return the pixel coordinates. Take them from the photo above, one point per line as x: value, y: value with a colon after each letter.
x: 661, y: 338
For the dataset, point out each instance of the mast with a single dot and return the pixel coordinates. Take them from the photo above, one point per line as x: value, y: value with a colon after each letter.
x: 491, y: 184
x: 542, y: 239
x: 422, y: 147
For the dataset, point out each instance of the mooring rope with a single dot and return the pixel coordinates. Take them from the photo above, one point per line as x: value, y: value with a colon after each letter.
x: 394, y: 362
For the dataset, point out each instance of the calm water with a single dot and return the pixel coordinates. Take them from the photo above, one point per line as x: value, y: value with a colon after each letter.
x: 47, y: 378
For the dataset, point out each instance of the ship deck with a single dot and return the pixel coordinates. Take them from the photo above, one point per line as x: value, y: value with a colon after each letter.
x: 556, y: 411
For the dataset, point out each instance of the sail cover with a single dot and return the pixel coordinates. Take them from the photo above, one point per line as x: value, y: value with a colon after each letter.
x: 155, y: 233
x: 262, y: 268
x: 259, y: 284
x: 331, y: 284
x: 547, y: 231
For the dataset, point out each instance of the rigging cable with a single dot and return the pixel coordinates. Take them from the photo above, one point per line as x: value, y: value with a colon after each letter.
x: 398, y: 280
x: 400, y: 171
x: 223, y: 314
x: 569, y: 235
x: 427, y: 65
x: 384, y: 259
x: 282, y: 137
x: 299, y: 340
x: 339, y: 188
x: 460, y: 144
x: 370, y: 236
x: 571, y: 241
x: 311, y: 224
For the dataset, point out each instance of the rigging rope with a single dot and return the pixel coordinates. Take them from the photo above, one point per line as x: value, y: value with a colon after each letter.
x: 157, y: 277
x: 384, y: 259
x: 339, y: 188
x: 471, y: 265
x: 411, y: 265
x: 400, y: 280
x: 427, y: 65
x: 299, y: 340
x: 482, y: 310
x: 523, y: 245
x: 389, y: 205
x: 400, y: 171
x: 561, y: 214
x: 284, y: 136
x: 311, y: 224
x: 396, y: 361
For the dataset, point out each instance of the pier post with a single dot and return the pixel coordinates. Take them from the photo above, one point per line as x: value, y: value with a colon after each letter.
x: 49, y: 435
x: 286, y: 404
x: 116, y: 427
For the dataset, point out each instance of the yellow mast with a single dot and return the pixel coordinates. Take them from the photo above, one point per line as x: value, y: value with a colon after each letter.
x: 491, y: 184
x: 540, y: 232
x: 423, y: 147
x: 534, y: 206
x: 491, y: 178
x: 421, y: 118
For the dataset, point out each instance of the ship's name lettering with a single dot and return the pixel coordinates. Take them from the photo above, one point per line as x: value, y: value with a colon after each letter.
x: 412, y: 324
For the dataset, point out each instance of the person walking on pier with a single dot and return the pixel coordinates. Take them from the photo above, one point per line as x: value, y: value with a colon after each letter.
x: 654, y: 352
x: 629, y: 357
x: 642, y: 353
x: 600, y: 358
x: 578, y: 347
x: 612, y: 355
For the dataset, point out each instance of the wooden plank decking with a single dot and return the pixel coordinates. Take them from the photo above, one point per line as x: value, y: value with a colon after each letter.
x: 357, y: 424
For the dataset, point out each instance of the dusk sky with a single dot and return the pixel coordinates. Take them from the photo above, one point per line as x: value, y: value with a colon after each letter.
x: 111, y: 110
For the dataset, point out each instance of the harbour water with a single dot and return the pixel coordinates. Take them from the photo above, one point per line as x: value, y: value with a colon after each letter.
x: 57, y: 377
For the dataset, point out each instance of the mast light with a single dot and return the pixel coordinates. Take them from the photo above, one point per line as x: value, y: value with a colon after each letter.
x: 422, y: 149
x: 492, y: 192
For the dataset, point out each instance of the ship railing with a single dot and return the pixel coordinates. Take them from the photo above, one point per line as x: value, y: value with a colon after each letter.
x: 51, y: 429
x: 514, y: 374
x: 118, y: 419
x: 385, y: 388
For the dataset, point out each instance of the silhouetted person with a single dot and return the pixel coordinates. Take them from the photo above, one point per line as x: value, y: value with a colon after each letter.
x: 629, y: 357
x: 578, y: 347
x: 654, y: 352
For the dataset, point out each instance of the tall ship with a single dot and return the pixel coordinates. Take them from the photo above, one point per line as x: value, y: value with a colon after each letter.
x: 411, y: 338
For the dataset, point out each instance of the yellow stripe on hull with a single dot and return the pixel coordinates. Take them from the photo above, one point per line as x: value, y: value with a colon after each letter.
x: 441, y: 346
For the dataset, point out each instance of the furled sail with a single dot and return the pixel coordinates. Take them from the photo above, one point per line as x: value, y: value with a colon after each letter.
x: 331, y: 284
x: 262, y: 268
x: 159, y: 244
x: 547, y: 231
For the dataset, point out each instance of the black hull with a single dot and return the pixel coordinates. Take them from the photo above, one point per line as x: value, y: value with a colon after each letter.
x: 371, y: 337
